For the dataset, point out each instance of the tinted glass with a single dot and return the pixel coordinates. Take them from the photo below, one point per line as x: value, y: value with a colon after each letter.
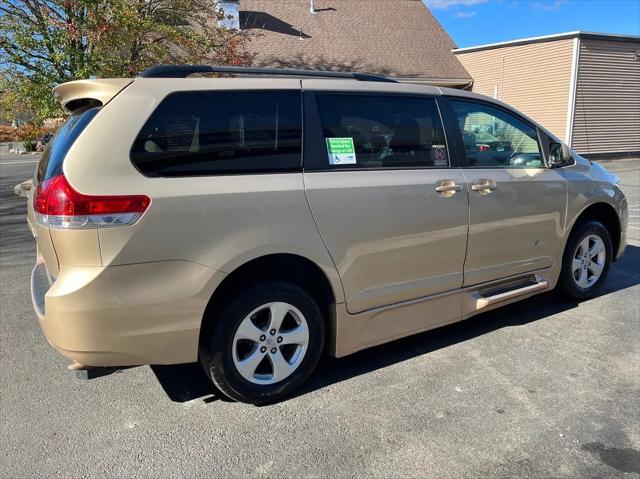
x: 494, y: 138
x: 221, y: 132
x: 50, y: 164
x: 362, y: 131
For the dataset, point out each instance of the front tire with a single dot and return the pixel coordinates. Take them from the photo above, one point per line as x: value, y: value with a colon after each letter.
x: 586, y: 260
x: 266, y: 342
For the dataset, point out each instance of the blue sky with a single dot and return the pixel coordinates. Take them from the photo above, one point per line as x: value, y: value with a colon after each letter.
x: 476, y: 22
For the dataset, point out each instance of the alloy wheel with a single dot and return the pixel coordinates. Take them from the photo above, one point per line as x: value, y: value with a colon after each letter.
x: 588, y: 261
x: 270, y: 343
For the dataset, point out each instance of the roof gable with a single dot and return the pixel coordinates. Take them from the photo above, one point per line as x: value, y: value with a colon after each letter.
x: 399, y: 38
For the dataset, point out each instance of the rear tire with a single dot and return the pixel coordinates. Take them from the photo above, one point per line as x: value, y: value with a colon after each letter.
x: 266, y: 342
x: 586, y: 260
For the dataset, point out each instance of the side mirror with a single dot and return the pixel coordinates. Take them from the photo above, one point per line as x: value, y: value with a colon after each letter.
x: 559, y: 155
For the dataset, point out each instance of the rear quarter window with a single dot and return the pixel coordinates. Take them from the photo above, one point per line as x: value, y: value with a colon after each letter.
x: 50, y: 164
x: 221, y: 132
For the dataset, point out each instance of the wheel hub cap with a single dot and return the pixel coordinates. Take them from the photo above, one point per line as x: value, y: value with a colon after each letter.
x: 270, y: 343
x: 588, y: 261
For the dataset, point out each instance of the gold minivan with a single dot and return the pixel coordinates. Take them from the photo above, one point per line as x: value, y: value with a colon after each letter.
x: 258, y: 221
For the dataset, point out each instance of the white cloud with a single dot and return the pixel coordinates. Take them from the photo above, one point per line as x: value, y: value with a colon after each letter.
x: 464, y: 14
x: 444, y: 4
x: 549, y: 5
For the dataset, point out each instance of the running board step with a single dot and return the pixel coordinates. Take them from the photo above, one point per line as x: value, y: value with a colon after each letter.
x: 536, y: 284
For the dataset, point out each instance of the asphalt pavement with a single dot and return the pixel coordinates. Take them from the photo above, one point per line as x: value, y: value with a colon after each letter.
x: 542, y: 388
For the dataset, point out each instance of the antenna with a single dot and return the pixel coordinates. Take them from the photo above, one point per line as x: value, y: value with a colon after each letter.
x: 313, y: 8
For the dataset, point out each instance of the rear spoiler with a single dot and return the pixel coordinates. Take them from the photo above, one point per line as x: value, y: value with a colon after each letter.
x: 77, y: 94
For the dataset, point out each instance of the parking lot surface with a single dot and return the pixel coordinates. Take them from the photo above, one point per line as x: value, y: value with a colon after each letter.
x: 542, y: 388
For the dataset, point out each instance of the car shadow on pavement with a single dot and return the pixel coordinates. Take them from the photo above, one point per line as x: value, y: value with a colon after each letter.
x: 186, y: 382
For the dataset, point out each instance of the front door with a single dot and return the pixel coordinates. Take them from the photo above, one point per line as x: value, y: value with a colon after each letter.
x: 392, y: 211
x: 516, y: 204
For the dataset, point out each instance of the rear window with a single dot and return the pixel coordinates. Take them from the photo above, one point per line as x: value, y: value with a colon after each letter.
x: 221, y: 132
x: 51, y: 161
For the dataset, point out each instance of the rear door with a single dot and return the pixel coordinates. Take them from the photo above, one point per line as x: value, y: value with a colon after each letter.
x: 516, y: 204
x: 390, y: 207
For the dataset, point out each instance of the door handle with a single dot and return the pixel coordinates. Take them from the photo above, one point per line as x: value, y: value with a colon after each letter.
x: 448, y: 188
x: 484, y: 186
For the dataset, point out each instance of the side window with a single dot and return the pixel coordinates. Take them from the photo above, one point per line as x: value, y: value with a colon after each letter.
x: 221, y: 132
x: 366, y: 131
x: 494, y: 138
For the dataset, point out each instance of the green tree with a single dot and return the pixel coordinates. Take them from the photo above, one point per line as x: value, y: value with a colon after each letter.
x: 47, y: 42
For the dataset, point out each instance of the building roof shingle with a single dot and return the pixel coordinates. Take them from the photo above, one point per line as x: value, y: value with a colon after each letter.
x: 399, y: 38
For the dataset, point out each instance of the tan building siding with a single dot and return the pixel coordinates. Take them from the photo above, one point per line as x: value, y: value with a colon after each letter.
x: 536, y: 79
x: 607, y: 113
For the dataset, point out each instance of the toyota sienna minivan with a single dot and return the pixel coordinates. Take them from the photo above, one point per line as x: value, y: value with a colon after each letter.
x: 257, y: 221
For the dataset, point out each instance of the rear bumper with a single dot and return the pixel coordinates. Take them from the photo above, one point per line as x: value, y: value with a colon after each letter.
x: 148, y: 313
x: 39, y: 287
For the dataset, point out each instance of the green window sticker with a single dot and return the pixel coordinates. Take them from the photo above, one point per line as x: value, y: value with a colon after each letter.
x: 341, y: 151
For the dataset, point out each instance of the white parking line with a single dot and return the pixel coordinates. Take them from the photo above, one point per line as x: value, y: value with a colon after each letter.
x: 18, y: 162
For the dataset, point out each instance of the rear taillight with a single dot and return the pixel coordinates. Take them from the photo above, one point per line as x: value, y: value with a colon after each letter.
x: 484, y: 147
x: 58, y: 205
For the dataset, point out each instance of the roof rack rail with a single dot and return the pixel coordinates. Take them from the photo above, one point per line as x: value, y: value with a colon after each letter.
x: 182, y: 71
